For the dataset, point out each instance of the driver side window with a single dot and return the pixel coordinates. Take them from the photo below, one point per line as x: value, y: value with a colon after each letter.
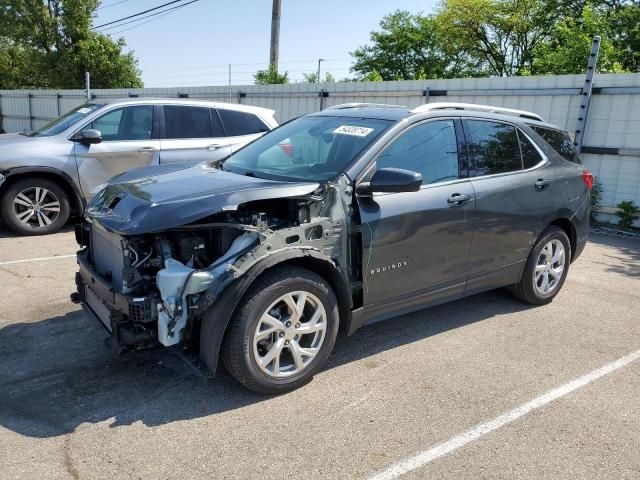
x: 430, y: 149
x: 130, y: 123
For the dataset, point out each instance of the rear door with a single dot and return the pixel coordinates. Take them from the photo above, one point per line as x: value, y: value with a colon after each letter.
x: 129, y: 140
x: 416, y: 244
x: 514, y: 190
x: 241, y: 127
x: 192, y: 134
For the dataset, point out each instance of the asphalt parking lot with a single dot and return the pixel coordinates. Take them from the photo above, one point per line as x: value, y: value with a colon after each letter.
x: 411, y: 389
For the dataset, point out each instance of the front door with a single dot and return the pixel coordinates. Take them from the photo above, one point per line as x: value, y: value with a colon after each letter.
x: 416, y: 244
x: 127, y: 143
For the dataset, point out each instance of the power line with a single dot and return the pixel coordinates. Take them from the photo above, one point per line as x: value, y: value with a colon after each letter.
x: 147, y: 16
x: 248, y: 72
x: 112, y: 4
x: 137, y: 14
x: 261, y: 64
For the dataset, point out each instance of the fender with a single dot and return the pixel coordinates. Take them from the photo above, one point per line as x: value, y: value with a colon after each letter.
x: 217, y: 317
x: 77, y: 195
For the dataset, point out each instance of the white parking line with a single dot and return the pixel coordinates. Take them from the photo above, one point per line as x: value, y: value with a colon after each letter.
x: 475, y: 433
x: 11, y: 262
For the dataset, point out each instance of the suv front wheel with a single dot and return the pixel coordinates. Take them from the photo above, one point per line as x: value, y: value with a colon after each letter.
x: 35, y: 207
x: 283, y: 331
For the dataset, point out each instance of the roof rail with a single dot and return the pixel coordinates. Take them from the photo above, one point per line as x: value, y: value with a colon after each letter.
x: 344, y: 106
x: 476, y: 108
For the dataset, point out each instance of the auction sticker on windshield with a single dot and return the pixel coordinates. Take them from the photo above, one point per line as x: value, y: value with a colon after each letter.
x: 352, y: 130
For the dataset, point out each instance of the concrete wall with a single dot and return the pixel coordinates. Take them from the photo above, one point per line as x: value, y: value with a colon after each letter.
x: 613, y: 124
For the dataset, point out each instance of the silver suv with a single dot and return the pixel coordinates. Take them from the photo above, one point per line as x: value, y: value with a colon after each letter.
x: 50, y: 173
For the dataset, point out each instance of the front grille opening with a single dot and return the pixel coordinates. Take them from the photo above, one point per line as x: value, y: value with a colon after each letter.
x: 140, y: 312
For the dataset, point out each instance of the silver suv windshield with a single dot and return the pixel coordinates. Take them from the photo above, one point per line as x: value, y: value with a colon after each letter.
x: 60, y: 124
x: 315, y: 148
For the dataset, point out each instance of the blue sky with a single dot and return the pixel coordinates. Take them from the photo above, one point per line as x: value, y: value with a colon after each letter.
x: 193, y: 45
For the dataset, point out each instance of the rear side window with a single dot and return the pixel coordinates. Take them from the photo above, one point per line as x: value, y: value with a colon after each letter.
x: 241, y: 123
x: 186, y: 122
x: 495, y: 147
x: 559, y: 141
x: 530, y: 155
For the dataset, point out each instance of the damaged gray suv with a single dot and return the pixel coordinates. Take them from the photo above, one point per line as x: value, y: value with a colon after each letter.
x: 335, y: 220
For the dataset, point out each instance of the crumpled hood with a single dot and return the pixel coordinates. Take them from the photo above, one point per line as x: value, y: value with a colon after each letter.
x: 151, y: 199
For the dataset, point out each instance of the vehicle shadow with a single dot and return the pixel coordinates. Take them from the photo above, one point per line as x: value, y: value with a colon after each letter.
x: 625, y: 259
x: 59, y: 373
x: 5, y: 232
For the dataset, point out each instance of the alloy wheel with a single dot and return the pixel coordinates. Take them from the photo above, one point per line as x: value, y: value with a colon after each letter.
x: 36, y: 207
x: 289, y: 334
x: 549, y: 267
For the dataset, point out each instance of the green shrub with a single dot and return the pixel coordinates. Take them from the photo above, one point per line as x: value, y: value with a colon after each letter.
x: 628, y: 213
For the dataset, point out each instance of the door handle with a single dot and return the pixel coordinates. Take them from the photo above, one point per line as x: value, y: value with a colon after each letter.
x: 214, y: 146
x: 146, y: 149
x: 542, y: 183
x: 457, y: 199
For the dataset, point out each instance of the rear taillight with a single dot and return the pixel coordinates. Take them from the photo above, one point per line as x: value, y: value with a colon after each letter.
x: 588, y: 179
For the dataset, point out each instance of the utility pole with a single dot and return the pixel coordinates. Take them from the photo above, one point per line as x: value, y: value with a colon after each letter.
x: 319, y: 61
x: 87, y: 81
x: 275, y: 35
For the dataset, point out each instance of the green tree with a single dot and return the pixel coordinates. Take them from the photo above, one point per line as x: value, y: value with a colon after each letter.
x: 270, y: 76
x: 624, y: 31
x: 407, y: 47
x: 50, y: 44
x: 500, y: 34
x: 313, y: 77
x: 569, y: 45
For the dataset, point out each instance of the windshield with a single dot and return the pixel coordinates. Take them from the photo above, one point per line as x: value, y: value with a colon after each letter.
x: 308, y: 148
x: 60, y: 124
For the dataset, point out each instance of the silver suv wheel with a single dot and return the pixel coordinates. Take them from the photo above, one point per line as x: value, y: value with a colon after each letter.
x: 289, y: 334
x: 36, y: 207
x: 549, y: 267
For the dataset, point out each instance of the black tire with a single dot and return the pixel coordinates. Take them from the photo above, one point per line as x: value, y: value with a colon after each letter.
x: 526, y: 290
x: 238, y: 346
x: 36, y: 225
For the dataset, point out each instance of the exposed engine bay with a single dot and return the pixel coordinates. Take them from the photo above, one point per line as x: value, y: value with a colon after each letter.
x: 154, y: 288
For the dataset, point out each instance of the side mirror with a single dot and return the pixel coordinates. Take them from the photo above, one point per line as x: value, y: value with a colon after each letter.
x: 87, y: 137
x: 391, y: 180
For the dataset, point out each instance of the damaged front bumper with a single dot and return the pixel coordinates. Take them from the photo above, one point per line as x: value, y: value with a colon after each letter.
x: 128, y: 318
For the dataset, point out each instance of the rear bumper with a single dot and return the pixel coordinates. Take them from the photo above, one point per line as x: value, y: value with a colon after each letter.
x: 580, y: 221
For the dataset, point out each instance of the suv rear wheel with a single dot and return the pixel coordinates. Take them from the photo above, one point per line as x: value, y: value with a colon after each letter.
x: 546, y: 268
x: 283, y: 331
x: 35, y: 206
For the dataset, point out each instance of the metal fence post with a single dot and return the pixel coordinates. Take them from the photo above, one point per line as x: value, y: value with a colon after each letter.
x: 426, y: 95
x: 29, y: 96
x: 58, y: 108
x: 322, y: 95
x: 585, y: 99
